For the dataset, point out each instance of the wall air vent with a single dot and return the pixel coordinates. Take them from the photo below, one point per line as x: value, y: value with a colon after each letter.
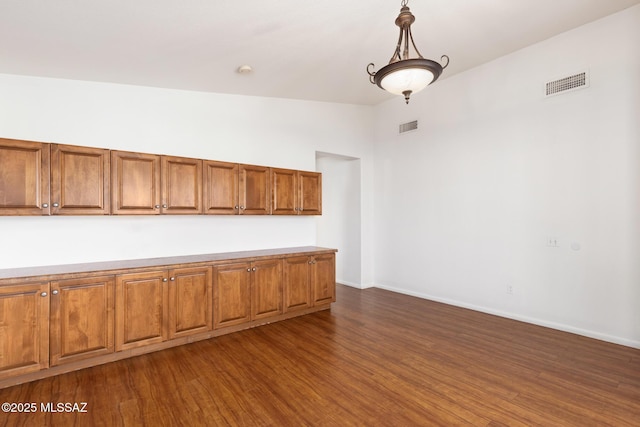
x: 408, y: 127
x: 567, y: 84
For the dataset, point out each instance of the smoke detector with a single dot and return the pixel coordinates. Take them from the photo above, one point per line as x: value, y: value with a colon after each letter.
x: 245, y: 69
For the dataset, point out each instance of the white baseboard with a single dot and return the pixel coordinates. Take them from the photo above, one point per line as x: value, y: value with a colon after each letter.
x: 356, y: 285
x: 540, y: 322
x: 351, y: 284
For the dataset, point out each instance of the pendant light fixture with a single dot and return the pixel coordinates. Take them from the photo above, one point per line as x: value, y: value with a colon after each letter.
x: 405, y: 75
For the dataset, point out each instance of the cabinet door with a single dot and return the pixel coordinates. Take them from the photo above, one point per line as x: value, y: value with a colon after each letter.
x: 323, y: 279
x: 255, y: 194
x: 284, y: 192
x: 82, y: 322
x: 141, y: 309
x: 181, y: 185
x: 220, y: 188
x: 24, y: 329
x: 190, y: 301
x: 266, y: 288
x: 310, y: 186
x: 135, y: 183
x: 79, y: 180
x: 297, y: 283
x: 231, y: 294
x: 24, y: 177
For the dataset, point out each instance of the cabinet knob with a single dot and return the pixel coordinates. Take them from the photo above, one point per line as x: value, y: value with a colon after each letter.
x: 45, y: 205
x: 173, y: 279
x: 156, y: 207
x: 55, y: 205
x: 165, y: 206
x: 54, y: 292
x: 253, y: 269
x: 242, y: 207
x: 164, y: 279
x: 309, y: 262
x: 236, y: 208
x: 44, y: 294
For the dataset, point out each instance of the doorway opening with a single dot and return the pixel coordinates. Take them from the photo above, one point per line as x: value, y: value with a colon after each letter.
x: 340, y: 225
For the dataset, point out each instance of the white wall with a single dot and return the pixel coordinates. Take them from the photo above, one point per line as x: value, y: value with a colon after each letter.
x: 464, y: 205
x: 263, y: 131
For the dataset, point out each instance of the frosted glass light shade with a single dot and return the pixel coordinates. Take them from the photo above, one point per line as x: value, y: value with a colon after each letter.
x: 407, y: 79
x: 407, y: 76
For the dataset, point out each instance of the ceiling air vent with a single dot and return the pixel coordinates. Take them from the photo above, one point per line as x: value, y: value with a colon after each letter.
x: 408, y: 127
x: 567, y: 84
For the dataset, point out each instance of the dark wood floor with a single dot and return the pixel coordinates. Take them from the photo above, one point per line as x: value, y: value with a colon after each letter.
x: 376, y: 359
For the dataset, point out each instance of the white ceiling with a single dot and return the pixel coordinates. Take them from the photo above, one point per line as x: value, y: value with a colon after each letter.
x: 302, y: 49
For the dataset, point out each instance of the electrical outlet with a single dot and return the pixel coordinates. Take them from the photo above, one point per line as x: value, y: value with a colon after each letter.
x: 510, y: 289
x: 553, y: 242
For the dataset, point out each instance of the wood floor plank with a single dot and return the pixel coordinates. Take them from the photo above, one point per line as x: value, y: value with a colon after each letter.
x: 376, y: 358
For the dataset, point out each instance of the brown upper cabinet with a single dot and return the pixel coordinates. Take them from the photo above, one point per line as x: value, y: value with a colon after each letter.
x: 238, y: 189
x: 296, y: 192
x: 310, y: 193
x: 135, y: 183
x: 255, y: 190
x: 79, y: 180
x: 221, y: 188
x: 147, y: 184
x: 24, y: 177
x: 181, y: 186
x: 53, y: 179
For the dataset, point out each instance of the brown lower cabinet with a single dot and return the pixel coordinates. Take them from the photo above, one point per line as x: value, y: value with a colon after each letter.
x: 190, y: 301
x: 24, y: 329
x: 58, y: 322
x: 81, y: 319
x: 297, y: 283
x: 323, y: 279
x: 142, y: 309
x: 246, y: 291
x: 55, y: 323
x: 309, y: 281
x: 155, y: 306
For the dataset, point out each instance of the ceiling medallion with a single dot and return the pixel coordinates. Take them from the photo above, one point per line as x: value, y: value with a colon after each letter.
x: 405, y: 75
